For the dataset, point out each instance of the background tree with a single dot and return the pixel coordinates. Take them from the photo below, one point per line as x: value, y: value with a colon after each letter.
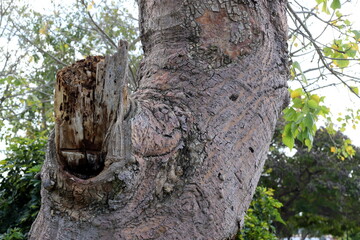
x: 261, y: 216
x: 19, y: 188
x: 319, y: 191
x: 324, y: 49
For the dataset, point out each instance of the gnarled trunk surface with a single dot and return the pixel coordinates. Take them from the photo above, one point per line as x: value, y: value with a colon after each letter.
x: 179, y: 158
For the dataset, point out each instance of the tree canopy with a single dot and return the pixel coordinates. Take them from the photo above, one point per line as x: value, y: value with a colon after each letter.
x: 319, y: 192
x: 19, y: 186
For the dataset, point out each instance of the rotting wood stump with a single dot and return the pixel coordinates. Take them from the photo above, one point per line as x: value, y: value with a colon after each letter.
x: 90, y: 98
x: 91, y: 106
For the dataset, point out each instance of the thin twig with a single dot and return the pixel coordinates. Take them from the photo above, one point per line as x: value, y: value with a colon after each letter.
x: 318, y: 50
x: 134, y: 42
x: 34, y: 45
x: 99, y: 29
x: 309, y: 70
x: 43, y: 51
x: 342, y: 59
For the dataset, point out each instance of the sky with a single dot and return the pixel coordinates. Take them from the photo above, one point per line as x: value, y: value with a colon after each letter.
x: 336, y: 98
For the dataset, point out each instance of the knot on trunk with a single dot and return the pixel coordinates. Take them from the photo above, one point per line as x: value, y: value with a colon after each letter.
x: 158, y: 129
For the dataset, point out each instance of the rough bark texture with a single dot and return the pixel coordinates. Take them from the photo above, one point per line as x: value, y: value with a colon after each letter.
x: 181, y: 157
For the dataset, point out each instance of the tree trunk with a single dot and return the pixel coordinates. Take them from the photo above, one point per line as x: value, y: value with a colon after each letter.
x: 180, y: 158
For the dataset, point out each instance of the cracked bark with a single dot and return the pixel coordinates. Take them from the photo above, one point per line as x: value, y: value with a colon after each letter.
x: 181, y: 157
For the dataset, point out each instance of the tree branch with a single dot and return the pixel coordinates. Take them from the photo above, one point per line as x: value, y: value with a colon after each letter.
x: 318, y: 50
x: 34, y: 45
x: 107, y: 37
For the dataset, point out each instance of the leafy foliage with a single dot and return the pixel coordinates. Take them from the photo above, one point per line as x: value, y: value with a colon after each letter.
x: 13, y: 234
x: 301, y: 117
x: 19, y: 189
x: 318, y: 63
x: 261, y: 215
x: 319, y: 191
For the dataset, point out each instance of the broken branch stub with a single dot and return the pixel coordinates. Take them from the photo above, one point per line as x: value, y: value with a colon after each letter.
x: 90, y: 103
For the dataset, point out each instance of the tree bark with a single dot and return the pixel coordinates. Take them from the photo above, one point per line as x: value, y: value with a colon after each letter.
x: 180, y: 158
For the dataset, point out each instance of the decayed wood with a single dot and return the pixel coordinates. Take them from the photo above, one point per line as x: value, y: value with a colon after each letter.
x: 91, y: 135
x: 90, y: 100
x: 185, y: 158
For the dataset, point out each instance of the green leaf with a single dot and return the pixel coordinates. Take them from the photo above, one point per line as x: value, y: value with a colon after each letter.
x: 324, y: 111
x: 338, y: 14
x: 351, y: 53
x: 3, y: 162
x: 296, y: 93
x: 310, y: 135
x: 313, y: 104
x: 357, y: 35
x: 294, y: 129
x: 355, y: 90
x: 287, y: 136
x: 309, y: 121
x: 287, y: 130
x: 342, y: 63
x: 328, y: 51
x: 335, y: 4
x: 325, y: 8
x: 288, y: 141
x: 297, y: 103
x: 308, y: 143
x: 290, y: 114
x: 296, y: 65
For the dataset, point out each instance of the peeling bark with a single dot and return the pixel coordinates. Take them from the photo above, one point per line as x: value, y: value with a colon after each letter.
x: 181, y: 157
